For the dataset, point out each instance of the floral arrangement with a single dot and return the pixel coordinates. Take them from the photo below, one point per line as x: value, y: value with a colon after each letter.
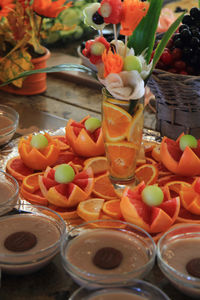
x: 20, y: 33
x: 123, y: 66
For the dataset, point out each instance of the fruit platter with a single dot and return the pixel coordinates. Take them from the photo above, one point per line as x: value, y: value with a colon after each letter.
x: 74, y: 181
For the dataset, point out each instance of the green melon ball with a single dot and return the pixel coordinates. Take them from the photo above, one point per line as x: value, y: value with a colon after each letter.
x: 188, y: 140
x: 131, y: 63
x: 91, y: 124
x: 97, y: 48
x: 152, y: 195
x: 39, y: 141
x: 64, y: 173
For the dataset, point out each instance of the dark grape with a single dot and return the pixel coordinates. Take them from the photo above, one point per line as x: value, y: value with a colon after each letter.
x: 195, y: 32
x: 194, y: 42
x: 97, y: 18
x: 176, y: 36
x: 187, y: 19
x: 195, y: 13
x: 184, y: 26
x: 185, y: 35
x: 187, y: 52
x: 178, y: 43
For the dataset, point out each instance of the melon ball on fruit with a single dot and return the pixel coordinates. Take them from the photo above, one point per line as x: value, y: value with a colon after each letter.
x: 64, y: 173
x: 39, y: 141
x: 188, y: 140
x: 132, y: 63
x: 91, y: 124
x: 152, y: 195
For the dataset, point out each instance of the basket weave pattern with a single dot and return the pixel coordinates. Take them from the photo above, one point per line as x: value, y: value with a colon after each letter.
x: 177, y: 103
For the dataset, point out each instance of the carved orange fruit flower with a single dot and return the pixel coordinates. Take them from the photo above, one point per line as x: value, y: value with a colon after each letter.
x: 83, y: 142
x: 38, y: 159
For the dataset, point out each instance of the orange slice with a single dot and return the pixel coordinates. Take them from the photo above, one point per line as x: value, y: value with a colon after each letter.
x: 112, y: 208
x: 116, y: 122
x: 176, y: 186
x: 134, y: 133
x: 31, y: 183
x: 62, y: 142
x: 98, y: 164
x: 121, y: 159
x: 17, y: 168
x: 103, y: 187
x: 147, y: 173
x: 65, y: 213
x: 156, y: 153
x: 90, y: 209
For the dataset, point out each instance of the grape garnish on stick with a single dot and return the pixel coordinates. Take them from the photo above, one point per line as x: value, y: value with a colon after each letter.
x: 126, y: 67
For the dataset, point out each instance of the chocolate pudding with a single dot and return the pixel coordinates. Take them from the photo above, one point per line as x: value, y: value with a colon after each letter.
x: 27, y: 242
x: 5, y: 124
x: 117, y: 296
x: 180, y: 252
x: 106, y: 252
x: 183, y: 255
x: 6, y: 191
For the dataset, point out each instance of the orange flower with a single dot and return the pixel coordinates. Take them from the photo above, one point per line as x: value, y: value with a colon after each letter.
x: 132, y: 13
x: 113, y: 62
x: 5, y: 7
x: 49, y: 8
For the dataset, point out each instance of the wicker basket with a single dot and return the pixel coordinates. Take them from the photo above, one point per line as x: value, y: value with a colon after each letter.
x: 177, y: 103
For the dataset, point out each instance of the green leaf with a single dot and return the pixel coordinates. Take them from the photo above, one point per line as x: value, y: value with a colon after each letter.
x: 168, y: 34
x: 54, y: 69
x: 143, y: 36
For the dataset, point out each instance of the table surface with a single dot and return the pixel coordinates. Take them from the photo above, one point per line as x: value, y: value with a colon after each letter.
x: 68, y: 95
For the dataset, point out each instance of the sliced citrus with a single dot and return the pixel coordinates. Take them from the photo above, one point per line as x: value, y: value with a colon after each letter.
x: 147, y: 173
x: 90, y: 209
x: 63, y: 145
x: 98, y: 164
x: 156, y: 153
x: 112, y: 208
x: 66, y: 194
x: 103, y: 187
x: 65, y: 213
x: 153, y: 219
x: 31, y: 183
x: 35, y: 198
x: 176, y: 186
x: 134, y: 133
x: 38, y: 159
x: 121, y: 159
x: 186, y: 163
x: 17, y: 168
x: 82, y: 142
x: 141, y: 159
x: 116, y: 122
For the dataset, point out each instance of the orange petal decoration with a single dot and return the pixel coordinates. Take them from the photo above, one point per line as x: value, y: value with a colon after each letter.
x: 6, y: 6
x: 113, y: 62
x: 49, y: 8
x: 132, y: 13
x: 39, y: 159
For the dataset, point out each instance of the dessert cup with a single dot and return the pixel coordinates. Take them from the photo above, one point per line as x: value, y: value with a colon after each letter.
x: 139, y: 290
x: 9, y: 120
x: 30, y: 238
x: 122, y: 125
x: 9, y: 192
x: 178, y: 253
x: 85, y: 247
